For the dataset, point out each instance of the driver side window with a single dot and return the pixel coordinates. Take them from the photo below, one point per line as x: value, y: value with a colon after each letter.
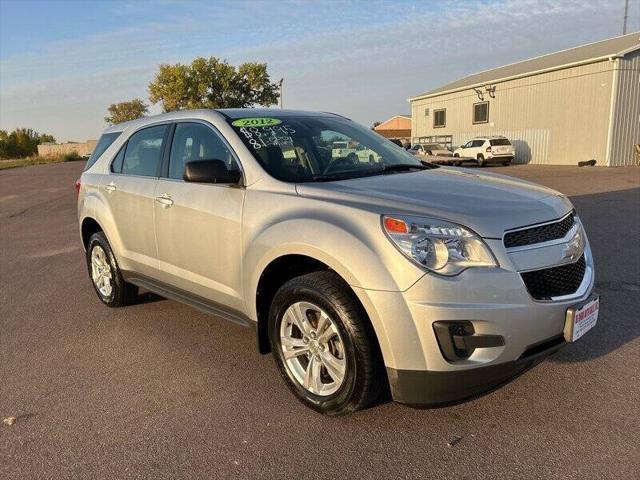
x: 193, y: 142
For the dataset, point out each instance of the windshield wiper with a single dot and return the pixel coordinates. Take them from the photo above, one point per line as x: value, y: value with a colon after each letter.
x: 343, y: 175
x: 403, y: 167
x: 348, y: 174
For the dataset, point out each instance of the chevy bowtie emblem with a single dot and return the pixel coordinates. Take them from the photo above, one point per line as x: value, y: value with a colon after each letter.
x: 574, y: 248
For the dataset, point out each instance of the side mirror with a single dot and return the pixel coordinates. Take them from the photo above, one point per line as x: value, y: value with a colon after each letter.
x: 209, y: 171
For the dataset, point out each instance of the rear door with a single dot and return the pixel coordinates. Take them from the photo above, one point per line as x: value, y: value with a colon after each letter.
x: 130, y: 190
x: 198, y: 225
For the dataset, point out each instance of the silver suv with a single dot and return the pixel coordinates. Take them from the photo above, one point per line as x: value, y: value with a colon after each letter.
x: 431, y: 283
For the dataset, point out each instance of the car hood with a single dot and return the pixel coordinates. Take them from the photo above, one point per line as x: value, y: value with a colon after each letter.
x: 485, y: 202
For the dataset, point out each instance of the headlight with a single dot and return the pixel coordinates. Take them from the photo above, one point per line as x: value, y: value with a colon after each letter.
x: 439, y: 246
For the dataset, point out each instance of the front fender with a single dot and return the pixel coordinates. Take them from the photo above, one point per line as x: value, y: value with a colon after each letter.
x: 342, y: 251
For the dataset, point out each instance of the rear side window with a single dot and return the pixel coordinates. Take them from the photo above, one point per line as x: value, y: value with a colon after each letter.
x: 105, y: 142
x: 116, y: 165
x: 499, y: 141
x: 143, y: 152
x: 477, y: 143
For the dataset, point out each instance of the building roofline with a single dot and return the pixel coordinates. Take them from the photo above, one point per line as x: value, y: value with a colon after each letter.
x: 389, y: 119
x: 532, y: 72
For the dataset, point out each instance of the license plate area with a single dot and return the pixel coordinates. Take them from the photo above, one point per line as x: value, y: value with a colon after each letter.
x: 581, y: 318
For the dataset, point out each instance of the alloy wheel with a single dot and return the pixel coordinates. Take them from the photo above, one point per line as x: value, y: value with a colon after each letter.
x: 312, y: 349
x: 101, y: 274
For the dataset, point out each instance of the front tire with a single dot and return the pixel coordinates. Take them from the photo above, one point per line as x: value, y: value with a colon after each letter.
x: 323, y: 344
x: 105, y: 274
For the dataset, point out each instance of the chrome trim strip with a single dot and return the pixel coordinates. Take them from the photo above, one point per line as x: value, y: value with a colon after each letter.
x: 536, y: 225
x: 534, y: 246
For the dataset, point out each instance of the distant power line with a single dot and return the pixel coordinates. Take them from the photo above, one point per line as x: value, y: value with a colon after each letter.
x: 626, y: 15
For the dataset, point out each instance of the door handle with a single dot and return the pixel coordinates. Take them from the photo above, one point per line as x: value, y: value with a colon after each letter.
x: 110, y: 187
x: 165, y: 200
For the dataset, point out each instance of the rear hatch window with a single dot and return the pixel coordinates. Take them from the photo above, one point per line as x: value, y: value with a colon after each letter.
x: 496, y: 142
x: 105, y: 142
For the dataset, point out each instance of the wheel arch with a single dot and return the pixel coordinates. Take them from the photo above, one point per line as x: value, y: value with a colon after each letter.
x: 88, y: 227
x: 284, y: 267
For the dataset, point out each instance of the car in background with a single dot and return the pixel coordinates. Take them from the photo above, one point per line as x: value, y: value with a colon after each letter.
x: 432, y: 153
x: 341, y: 149
x: 485, y: 150
x: 431, y: 149
x: 358, y: 152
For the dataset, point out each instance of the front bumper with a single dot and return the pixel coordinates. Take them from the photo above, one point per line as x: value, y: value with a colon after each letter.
x: 433, y: 388
x: 495, y: 301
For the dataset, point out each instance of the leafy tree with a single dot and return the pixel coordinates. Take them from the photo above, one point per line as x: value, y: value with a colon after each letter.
x: 125, y: 111
x: 212, y: 83
x: 22, y: 142
x: 375, y: 124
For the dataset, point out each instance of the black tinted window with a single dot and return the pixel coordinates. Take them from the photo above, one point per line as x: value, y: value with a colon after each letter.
x: 105, y: 142
x: 193, y: 142
x: 320, y: 148
x: 439, y: 118
x: 499, y: 141
x: 116, y: 165
x: 144, y: 152
x: 481, y: 112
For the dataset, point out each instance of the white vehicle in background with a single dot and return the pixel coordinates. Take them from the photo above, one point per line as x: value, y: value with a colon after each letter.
x: 341, y: 149
x: 490, y: 149
x: 365, y: 154
x: 430, y: 149
x: 360, y: 152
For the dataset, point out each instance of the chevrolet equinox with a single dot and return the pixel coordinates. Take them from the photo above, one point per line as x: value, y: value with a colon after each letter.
x: 361, y: 274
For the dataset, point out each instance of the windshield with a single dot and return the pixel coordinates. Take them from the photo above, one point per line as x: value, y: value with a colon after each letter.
x: 322, y: 148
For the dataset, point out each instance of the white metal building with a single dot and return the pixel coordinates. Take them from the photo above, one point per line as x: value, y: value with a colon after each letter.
x: 562, y: 108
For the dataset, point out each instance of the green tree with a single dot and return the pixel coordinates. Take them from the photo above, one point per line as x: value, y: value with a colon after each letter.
x: 212, y: 83
x: 4, y: 145
x: 125, y: 111
x: 22, y: 142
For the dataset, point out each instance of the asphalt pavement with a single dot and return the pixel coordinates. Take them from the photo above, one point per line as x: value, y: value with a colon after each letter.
x: 160, y: 390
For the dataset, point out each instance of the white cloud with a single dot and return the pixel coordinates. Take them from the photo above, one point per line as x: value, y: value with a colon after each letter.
x: 361, y: 64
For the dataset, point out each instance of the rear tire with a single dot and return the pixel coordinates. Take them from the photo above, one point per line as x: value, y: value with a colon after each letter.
x: 481, y: 160
x: 105, y: 274
x: 323, y: 344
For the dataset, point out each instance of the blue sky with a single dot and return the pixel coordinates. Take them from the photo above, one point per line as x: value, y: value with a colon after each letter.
x: 63, y: 62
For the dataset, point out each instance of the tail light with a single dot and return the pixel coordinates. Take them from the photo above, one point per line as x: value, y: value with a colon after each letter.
x: 488, y: 149
x: 78, y: 184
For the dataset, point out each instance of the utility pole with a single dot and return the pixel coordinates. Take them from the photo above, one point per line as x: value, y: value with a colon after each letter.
x: 280, y: 83
x: 626, y: 14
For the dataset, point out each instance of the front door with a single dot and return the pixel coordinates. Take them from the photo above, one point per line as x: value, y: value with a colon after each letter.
x: 198, y: 226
